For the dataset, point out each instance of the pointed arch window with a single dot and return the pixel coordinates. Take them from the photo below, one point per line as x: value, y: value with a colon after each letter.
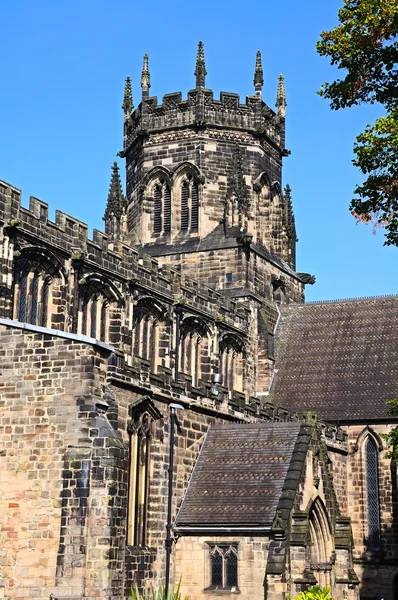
x: 223, y: 566
x: 140, y: 447
x: 194, y: 350
x: 94, y: 312
x: 372, y: 494
x: 189, y: 195
x: 161, y: 208
x: 231, y: 363
x: 32, y: 294
x: 147, y: 327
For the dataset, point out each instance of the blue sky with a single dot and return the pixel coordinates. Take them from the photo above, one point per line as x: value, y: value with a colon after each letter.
x: 63, y: 69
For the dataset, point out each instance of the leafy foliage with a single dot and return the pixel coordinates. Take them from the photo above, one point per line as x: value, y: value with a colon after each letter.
x: 315, y: 593
x: 157, y: 593
x: 392, y: 437
x: 365, y: 45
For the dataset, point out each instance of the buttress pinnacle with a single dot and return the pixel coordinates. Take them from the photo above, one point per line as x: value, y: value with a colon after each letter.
x: 116, y: 201
x: 127, y: 105
x: 145, y: 78
x: 258, y: 75
x: 200, y: 71
x: 281, y: 97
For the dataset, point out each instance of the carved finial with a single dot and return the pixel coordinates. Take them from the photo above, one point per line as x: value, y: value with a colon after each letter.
x: 200, y: 71
x: 281, y: 97
x: 258, y: 75
x: 127, y: 105
x: 145, y: 78
x: 116, y: 201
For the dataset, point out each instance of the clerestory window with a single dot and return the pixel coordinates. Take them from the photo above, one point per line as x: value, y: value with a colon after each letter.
x: 32, y: 296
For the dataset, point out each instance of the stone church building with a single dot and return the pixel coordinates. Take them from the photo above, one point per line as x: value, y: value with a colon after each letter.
x: 189, y: 308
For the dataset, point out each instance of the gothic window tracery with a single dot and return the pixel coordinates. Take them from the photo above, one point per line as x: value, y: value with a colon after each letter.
x: 140, y: 447
x: 231, y: 363
x: 148, y: 324
x: 32, y: 293
x: 194, y: 349
x: 94, y: 306
x: 223, y: 566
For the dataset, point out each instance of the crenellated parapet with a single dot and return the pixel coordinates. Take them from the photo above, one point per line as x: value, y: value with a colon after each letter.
x: 201, y: 110
x: 54, y: 276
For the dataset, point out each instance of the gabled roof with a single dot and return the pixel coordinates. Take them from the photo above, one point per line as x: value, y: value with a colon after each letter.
x: 241, y: 474
x: 339, y: 358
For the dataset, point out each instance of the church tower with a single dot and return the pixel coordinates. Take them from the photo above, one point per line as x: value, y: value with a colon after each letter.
x: 204, y: 186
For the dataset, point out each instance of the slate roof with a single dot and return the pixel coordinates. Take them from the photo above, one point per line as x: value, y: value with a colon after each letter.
x: 241, y: 472
x: 338, y: 358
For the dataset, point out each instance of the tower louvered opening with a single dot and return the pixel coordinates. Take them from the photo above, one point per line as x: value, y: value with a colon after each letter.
x: 185, y: 206
x: 194, y: 207
x: 166, y: 209
x: 157, y: 210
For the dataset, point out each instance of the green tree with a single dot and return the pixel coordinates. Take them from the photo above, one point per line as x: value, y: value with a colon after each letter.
x: 392, y: 437
x: 315, y: 593
x: 365, y: 45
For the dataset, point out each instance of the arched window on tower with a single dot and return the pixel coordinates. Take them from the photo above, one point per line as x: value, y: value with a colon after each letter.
x: 189, y: 204
x: 372, y: 494
x: 161, y: 208
x: 231, y: 362
x: 194, y: 350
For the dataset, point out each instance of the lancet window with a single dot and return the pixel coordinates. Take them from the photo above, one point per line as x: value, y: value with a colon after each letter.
x: 320, y: 543
x: 140, y: 447
x: 372, y: 494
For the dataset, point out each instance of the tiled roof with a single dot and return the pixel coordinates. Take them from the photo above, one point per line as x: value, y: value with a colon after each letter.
x: 339, y: 358
x: 241, y: 472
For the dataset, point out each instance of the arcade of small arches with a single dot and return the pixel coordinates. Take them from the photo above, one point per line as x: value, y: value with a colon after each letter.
x: 40, y: 292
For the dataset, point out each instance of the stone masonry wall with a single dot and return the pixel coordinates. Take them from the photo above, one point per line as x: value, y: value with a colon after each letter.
x: 49, y: 388
x: 376, y: 579
x: 192, y: 565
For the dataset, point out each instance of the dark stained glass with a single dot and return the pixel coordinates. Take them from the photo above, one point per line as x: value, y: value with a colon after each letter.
x: 232, y: 570
x: 216, y: 569
x: 22, y: 296
x: 34, y: 299
x: 372, y: 484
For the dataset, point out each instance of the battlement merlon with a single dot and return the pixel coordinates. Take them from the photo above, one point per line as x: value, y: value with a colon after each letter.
x: 201, y: 110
